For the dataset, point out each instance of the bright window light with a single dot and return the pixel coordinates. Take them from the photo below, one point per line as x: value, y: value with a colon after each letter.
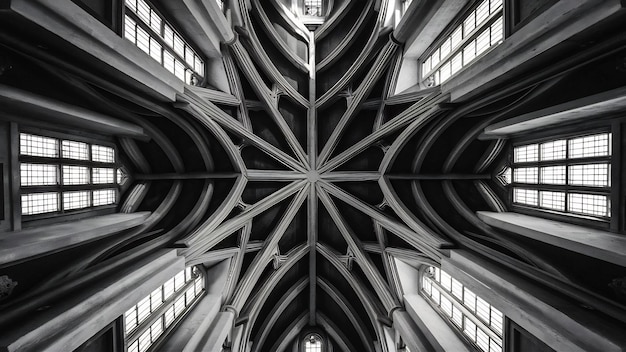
x: 103, y: 197
x: 313, y: 8
x: 38, y: 174
x: 57, y: 175
x: 39, y: 146
x: 74, y: 150
x: 103, y: 175
x: 75, y: 175
x: 75, y: 200
x: 562, y: 174
x: 144, y: 27
x: 313, y: 343
x: 38, y: 203
x: 474, y: 317
x: 143, y: 326
x: 481, y: 29
x: 102, y: 154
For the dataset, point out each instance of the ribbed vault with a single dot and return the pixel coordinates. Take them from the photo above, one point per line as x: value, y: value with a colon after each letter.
x: 320, y: 141
x: 307, y: 174
x: 299, y: 168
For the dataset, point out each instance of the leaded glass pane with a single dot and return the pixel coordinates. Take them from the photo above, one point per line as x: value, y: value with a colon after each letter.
x: 38, y: 174
x: 74, y: 150
x: 39, y: 146
x: 590, y: 146
x: 102, y: 154
x: 75, y: 200
x: 38, y: 203
x: 525, y: 196
x: 75, y: 175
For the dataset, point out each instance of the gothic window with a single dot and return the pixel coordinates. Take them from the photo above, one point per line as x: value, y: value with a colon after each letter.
x: 313, y: 343
x: 480, y: 29
x: 313, y: 8
x: 147, y: 29
x: 566, y: 175
x: 158, y: 313
x: 477, y: 320
x: 59, y: 175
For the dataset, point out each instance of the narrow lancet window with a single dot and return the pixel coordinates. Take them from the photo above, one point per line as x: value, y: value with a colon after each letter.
x: 313, y: 343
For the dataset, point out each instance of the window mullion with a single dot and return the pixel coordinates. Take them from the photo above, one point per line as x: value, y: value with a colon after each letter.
x: 459, y: 48
x: 154, y: 315
x: 61, y: 183
x: 567, y: 164
x: 582, y: 166
x: 615, y: 176
x: 160, y: 38
x: 468, y: 321
x: 466, y: 312
x: 150, y: 31
x: 166, y: 314
x: 73, y: 164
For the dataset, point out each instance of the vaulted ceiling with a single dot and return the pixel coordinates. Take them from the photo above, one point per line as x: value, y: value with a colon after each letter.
x: 309, y: 175
x: 324, y: 158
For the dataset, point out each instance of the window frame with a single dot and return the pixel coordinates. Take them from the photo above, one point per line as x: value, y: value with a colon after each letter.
x: 515, y: 331
x: 117, y: 337
x: 322, y: 8
x: 59, y: 188
x: 131, y: 336
x: 197, y: 78
x: 565, y: 216
x: 321, y: 337
x: 113, y: 19
x: 513, y: 18
x: 298, y: 9
x: 465, y: 311
x: 427, y: 79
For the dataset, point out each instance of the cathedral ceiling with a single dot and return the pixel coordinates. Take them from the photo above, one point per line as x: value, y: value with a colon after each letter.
x: 325, y: 157
x: 309, y: 179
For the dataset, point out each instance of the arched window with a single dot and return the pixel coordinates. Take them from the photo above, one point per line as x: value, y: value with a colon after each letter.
x: 152, y: 317
x: 313, y: 343
x: 313, y: 8
x: 479, y: 322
